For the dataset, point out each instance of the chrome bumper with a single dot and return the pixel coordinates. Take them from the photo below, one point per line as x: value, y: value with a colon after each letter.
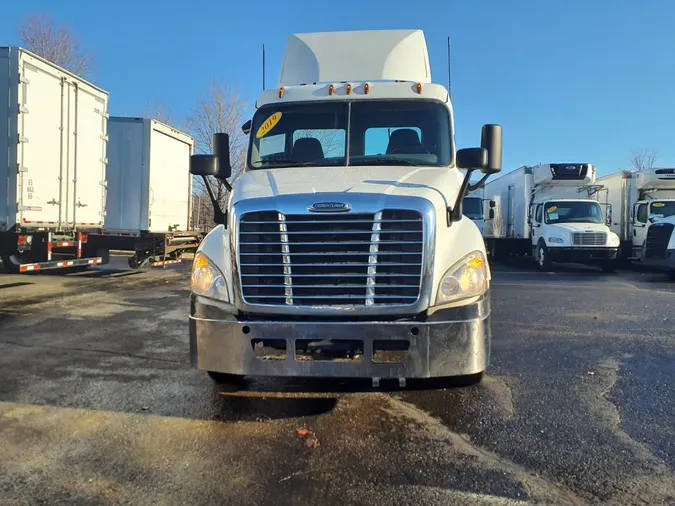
x: 452, y: 342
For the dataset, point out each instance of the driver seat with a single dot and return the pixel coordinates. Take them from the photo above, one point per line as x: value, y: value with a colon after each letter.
x: 404, y: 140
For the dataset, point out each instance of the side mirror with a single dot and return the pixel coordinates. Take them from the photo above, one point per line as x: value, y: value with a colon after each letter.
x: 493, y: 204
x: 491, y: 214
x: 204, y: 165
x: 529, y: 220
x: 472, y: 158
x: 491, y: 141
x: 221, y: 149
x: 246, y: 127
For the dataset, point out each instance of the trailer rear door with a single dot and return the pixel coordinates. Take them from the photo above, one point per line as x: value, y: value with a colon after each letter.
x: 41, y: 137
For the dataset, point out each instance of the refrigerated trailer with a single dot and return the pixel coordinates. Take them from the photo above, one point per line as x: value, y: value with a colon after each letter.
x: 638, y: 199
x: 52, y: 169
x: 149, y: 198
x: 547, y: 211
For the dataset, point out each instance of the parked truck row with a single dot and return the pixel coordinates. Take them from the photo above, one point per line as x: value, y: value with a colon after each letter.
x: 76, y: 183
x: 561, y: 212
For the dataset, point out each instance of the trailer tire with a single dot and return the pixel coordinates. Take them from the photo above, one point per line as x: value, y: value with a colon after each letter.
x: 542, y: 257
x: 222, y: 378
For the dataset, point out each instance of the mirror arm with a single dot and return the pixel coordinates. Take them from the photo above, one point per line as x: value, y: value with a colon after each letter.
x: 479, y: 184
x: 226, y: 183
x: 454, y: 213
x: 218, y: 214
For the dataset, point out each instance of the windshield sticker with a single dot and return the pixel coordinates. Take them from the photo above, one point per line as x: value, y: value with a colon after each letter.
x: 658, y: 204
x: 551, y: 209
x: 552, y: 216
x: 268, y: 125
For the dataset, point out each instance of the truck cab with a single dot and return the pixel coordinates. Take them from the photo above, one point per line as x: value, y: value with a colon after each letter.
x: 659, y: 247
x: 644, y: 214
x: 343, y: 250
x: 474, y: 208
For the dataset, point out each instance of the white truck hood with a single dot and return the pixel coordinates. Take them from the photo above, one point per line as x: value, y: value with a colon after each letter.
x: 437, y: 184
x: 580, y: 227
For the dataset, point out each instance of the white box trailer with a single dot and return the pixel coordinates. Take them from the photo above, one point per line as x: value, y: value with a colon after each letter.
x: 52, y: 171
x: 638, y: 199
x: 547, y: 211
x: 149, y: 200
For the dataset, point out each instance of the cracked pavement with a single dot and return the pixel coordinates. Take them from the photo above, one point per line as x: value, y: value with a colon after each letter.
x: 98, y: 404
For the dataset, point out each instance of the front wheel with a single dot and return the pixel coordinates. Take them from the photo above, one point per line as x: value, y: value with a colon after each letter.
x: 543, y: 257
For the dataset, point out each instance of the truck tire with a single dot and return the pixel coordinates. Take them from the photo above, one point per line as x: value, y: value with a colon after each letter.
x: 542, y: 257
x: 222, y: 378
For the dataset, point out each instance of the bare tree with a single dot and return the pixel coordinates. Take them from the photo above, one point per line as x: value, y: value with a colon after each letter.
x: 220, y: 109
x: 643, y: 158
x: 56, y: 43
x: 162, y: 112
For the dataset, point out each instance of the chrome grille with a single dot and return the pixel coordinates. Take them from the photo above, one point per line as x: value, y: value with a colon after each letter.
x: 589, y: 238
x: 656, y: 243
x: 333, y: 259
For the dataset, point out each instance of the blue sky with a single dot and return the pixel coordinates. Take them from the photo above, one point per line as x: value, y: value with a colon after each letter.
x: 575, y: 80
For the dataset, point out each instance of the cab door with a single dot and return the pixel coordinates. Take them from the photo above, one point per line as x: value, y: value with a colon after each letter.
x: 640, y: 223
x: 536, y: 225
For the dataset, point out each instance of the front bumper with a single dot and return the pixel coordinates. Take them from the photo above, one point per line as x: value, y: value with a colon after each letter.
x: 452, y: 342
x: 667, y: 262
x: 583, y: 254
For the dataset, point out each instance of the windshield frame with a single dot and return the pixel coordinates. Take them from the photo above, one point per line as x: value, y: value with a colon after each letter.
x: 551, y: 203
x: 272, y: 107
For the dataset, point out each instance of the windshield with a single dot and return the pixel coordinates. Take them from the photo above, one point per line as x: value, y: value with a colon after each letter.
x: 404, y: 132
x: 473, y: 208
x: 660, y: 210
x: 573, y: 212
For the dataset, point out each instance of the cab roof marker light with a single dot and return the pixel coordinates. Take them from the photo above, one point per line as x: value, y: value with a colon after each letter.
x: 281, y: 92
x: 419, y: 88
x: 331, y: 88
x: 366, y: 88
x: 349, y: 89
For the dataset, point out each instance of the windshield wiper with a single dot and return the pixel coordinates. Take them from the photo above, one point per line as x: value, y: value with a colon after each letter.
x: 385, y: 160
x: 297, y: 163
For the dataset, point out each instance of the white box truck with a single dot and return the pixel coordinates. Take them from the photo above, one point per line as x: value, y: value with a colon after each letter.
x: 547, y: 211
x: 343, y: 250
x: 659, y: 247
x: 478, y: 209
x: 149, y: 201
x: 637, y: 199
x: 52, y: 169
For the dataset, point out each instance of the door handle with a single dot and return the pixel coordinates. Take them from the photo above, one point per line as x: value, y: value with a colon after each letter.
x: 80, y: 204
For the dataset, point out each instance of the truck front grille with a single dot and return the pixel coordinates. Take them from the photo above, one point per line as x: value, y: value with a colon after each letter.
x: 589, y: 238
x: 657, y: 240
x: 332, y: 259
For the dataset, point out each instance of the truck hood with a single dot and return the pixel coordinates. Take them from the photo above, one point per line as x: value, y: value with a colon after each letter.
x: 580, y: 227
x: 439, y: 185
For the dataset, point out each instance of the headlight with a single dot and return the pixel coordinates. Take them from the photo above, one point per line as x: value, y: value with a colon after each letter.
x: 466, y: 279
x: 613, y: 240
x: 555, y: 240
x: 207, y: 280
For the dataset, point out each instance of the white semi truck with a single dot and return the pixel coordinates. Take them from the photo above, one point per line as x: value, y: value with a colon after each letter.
x: 343, y: 250
x: 547, y: 211
x: 659, y: 247
x: 638, y: 199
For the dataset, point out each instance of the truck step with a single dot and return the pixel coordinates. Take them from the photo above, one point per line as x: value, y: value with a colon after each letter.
x: 41, y: 266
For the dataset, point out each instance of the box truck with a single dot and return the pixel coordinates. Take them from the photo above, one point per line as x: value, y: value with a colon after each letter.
x: 638, y: 199
x: 478, y: 209
x: 149, y: 198
x: 52, y: 169
x: 659, y: 247
x: 343, y: 250
x: 547, y: 211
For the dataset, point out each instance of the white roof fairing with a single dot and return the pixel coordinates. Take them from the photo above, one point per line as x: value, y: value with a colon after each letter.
x: 371, y: 55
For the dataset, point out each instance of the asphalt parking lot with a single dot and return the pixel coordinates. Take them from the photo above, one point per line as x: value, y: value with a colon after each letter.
x: 98, y: 404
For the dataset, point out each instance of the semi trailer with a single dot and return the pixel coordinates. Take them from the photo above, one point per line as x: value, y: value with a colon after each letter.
x: 547, y: 211
x: 638, y: 199
x: 149, y: 197
x: 52, y: 169
x: 343, y: 250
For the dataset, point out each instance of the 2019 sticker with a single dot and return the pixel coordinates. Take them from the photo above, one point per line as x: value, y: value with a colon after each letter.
x: 268, y: 125
x: 658, y: 204
x: 551, y: 209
